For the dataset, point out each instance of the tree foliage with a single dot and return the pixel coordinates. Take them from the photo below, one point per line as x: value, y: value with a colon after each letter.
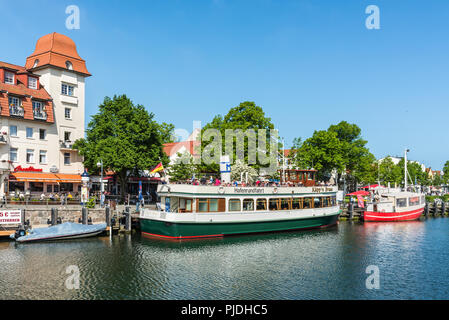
x: 124, y: 136
x: 338, y: 149
x: 183, y: 168
x: 247, y: 115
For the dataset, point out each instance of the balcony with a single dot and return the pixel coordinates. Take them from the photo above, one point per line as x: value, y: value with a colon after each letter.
x: 40, y: 115
x: 16, y: 111
x: 66, y: 145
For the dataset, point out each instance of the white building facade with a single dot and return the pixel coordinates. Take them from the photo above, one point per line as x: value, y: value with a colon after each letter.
x: 42, y: 114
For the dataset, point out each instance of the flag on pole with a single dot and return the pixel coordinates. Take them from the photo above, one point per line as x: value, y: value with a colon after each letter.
x: 361, y: 202
x: 158, y: 168
x: 140, y: 190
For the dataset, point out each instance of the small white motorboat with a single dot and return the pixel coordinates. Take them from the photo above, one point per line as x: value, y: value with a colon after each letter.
x: 67, y: 230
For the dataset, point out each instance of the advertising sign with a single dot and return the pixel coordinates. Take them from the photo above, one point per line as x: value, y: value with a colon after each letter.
x: 10, y: 216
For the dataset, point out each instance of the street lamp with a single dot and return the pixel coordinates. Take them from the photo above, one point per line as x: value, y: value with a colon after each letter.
x: 100, y: 165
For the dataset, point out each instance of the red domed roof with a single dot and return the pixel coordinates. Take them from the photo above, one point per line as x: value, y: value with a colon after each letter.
x: 58, y: 50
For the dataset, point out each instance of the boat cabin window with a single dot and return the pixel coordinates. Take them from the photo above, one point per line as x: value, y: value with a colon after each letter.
x: 307, y: 203
x: 317, y: 202
x: 413, y: 201
x: 248, y: 205
x: 185, y: 205
x: 210, y: 205
x: 285, y: 204
x: 296, y: 203
x: 234, y: 205
x: 333, y: 201
x: 401, y: 202
x: 261, y: 204
x: 273, y: 204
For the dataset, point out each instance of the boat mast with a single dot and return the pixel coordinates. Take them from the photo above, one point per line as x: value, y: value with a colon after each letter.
x: 405, y: 168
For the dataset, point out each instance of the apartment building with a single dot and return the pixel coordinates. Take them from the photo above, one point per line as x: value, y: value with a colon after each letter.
x: 42, y: 110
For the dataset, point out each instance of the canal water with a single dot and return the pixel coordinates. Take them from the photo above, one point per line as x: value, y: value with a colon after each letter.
x: 411, y: 259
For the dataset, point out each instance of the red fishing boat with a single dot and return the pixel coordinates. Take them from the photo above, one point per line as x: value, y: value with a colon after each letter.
x: 395, y: 205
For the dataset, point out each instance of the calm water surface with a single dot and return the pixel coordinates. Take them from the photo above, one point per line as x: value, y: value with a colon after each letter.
x: 412, y: 258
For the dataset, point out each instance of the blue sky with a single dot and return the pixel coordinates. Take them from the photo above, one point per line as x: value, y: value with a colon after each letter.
x: 309, y: 64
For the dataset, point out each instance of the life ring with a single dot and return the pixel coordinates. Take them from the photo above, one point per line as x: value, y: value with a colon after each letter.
x: 221, y: 190
x: 275, y: 190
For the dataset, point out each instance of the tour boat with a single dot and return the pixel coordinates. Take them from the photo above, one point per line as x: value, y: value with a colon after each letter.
x: 197, y: 211
x: 395, y: 205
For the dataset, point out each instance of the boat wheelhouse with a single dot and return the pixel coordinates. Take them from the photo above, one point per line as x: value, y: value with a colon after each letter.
x: 192, y: 211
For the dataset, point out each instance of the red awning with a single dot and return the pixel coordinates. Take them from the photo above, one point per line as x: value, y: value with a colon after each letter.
x: 372, y: 186
x: 359, y: 193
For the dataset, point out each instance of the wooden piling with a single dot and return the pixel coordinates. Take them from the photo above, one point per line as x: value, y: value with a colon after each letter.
x: 84, y: 215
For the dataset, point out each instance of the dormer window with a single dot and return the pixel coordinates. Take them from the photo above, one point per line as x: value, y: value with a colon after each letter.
x: 69, y: 65
x: 36, y: 62
x: 32, y: 83
x: 9, y: 77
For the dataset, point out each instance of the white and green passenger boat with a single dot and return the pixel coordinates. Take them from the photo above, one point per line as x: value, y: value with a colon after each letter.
x: 193, y: 211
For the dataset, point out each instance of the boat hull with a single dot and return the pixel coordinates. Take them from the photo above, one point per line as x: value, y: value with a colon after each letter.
x: 182, y: 230
x: 393, y: 216
x: 64, y: 237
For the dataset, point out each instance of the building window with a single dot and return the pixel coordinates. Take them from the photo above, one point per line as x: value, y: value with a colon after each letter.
x: 67, y: 89
x: 29, y: 132
x: 43, y: 157
x: 67, y: 136
x: 38, y: 111
x: 30, y: 156
x: 69, y: 65
x: 15, y: 108
x: 42, y: 134
x: 32, y: 83
x: 36, y: 62
x: 66, y: 157
x: 68, y: 113
x: 13, y: 154
x: 13, y: 131
x: 9, y: 77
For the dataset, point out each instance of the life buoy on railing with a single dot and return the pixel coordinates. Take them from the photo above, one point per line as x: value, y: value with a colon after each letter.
x: 221, y: 190
x: 275, y: 190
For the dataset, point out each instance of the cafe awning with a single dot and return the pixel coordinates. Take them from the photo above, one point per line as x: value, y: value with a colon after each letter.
x: 68, y: 178
x: 45, y: 177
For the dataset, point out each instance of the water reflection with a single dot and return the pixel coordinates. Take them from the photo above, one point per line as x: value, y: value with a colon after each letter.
x: 314, y: 264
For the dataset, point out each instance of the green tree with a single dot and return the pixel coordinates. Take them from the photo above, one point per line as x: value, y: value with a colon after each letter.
x: 183, y: 168
x: 167, y: 132
x: 322, y: 151
x: 124, y: 136
x: 389, y: 172
x: 247, y: 115
x: 446, y: 172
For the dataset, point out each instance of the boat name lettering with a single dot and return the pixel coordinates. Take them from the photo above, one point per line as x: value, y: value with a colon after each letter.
x: 315, y: 189
x: 249, y: 190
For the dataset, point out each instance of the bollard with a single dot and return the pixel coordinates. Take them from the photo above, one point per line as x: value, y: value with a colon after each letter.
x: 84, y: 215
x: 22, y: 214
x: 54, y: 216
x: 351, y: 210
x: 128, y: 219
